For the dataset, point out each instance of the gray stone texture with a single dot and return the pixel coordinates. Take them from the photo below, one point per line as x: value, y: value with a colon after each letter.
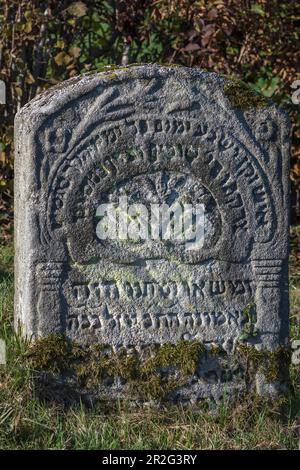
x: 154, y: 133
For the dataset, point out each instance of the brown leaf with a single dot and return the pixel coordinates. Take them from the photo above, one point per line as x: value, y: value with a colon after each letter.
x: 27, y: 27
x: 212, y: 14
x: 191, y: 47
x: 77, y: 9
x: 62, y: 59
x: 29, y: 79
x: 75, y: 52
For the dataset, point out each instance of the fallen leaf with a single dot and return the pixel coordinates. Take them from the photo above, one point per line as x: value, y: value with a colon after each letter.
x: 77, y: 9
x: 191, y: 47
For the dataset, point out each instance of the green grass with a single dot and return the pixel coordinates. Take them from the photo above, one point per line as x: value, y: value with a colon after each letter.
x: 28, y: 422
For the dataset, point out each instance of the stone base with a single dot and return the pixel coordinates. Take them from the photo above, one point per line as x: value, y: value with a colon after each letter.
x: 185, y: 373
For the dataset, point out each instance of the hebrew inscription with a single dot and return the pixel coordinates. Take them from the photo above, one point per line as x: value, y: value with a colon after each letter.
x: 148, y: 210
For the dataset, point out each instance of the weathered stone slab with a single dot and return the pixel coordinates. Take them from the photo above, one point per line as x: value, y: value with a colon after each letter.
x: 157, y: 135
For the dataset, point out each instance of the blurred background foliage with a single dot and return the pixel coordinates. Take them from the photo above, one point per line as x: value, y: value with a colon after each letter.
x: 44, y: 42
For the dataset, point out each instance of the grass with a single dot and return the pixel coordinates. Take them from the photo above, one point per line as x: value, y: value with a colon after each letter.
x: 29, y: 422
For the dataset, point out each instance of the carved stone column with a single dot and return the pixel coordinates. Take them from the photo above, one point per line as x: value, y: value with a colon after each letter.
x: 49, y: 305
x: 271, y: 299
x: 272, y: 303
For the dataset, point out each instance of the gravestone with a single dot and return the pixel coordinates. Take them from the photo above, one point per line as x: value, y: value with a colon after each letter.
x: 151, y: 137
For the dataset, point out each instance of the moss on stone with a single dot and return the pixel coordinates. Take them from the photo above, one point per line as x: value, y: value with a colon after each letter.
x: 242, y: 96
x: 169, y: 65
x: 154, y: 373
x: 144, y: 374
x: 250, y: 330
x: 102, y: 363
x: 272, y: 364
x: 110, y: 68
x: 185, y: 355
x: 54, y: 353
x: 111, y: 76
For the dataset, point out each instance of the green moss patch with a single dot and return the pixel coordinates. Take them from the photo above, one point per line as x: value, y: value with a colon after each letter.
x: 54, y: 354
x: 111, y: 68
x: 153, y: 373
x: 241, y: 96
x: 273, y: 365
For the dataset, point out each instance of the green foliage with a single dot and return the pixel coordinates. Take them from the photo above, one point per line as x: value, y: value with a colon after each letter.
x: 43, y: 44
